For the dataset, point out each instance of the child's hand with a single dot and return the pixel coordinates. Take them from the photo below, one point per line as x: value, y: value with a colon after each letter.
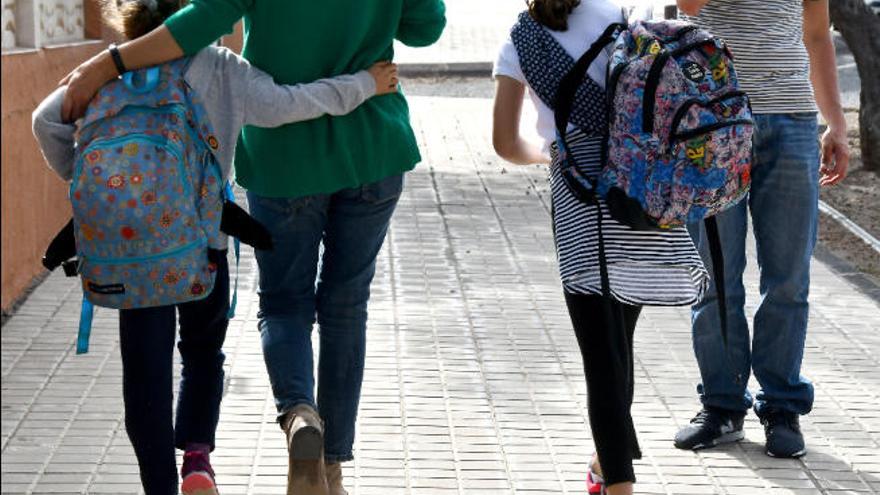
x: 385, y: 75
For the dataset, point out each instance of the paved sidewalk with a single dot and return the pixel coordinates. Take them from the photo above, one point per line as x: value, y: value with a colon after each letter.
x: 474, y: 32
x: 474, y: 382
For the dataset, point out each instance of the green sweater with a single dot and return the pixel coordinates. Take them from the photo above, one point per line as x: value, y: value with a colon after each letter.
x: 302, y: 41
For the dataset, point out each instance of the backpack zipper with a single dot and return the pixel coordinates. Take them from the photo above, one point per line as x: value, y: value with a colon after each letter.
x: 130, y: 137
x: 139, y: 259
x: 682, y: 110
x: 706, y: 129
x: 175, y: 108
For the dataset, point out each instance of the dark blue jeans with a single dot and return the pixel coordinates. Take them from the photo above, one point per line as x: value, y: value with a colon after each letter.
x: 350, y: 225
x: 146, y: 341
x: 783, y: 203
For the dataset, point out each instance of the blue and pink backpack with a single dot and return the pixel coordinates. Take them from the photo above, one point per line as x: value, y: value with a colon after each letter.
x: 147, y: 195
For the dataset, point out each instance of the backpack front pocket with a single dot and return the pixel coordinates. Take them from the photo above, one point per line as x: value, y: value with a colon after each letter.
x: 176, y: 276
x: 132, y: 197
x: 709, y: 147
x: 138, y: 229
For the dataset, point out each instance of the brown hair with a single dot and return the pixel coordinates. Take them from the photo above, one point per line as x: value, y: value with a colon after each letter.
x: 552, y: 13
x: 135, y: 18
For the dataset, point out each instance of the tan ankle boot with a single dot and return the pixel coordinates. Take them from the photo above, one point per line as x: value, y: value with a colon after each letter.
x: 334, y: 479
x: 306, y: 473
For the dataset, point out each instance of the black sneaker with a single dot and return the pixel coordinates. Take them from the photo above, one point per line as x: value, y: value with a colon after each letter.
x: 710, y: 427
x: 783, y: 432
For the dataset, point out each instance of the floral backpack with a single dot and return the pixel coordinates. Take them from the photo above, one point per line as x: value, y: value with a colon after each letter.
x: 147, y: 195
x: 679, y: 129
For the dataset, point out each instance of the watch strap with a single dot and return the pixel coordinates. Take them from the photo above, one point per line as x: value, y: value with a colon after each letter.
x: 117, y: 59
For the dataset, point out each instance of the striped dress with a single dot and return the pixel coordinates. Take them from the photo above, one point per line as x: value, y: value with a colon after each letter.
x: 644, y: 267
x: 766, y: 38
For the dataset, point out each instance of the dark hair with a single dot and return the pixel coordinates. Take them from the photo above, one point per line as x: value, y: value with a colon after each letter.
x: 135, y: 18
x: 552, y: 13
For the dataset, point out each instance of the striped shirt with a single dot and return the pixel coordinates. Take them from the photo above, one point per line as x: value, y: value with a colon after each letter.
x: 766, y: 38
x: 656, y: 268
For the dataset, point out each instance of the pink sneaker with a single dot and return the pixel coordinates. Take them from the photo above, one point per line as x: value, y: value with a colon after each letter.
x: 197, y: 474
x: 595, y: 484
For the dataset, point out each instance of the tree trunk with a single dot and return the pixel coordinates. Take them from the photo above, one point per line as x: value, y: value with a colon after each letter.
x: 860, y: 29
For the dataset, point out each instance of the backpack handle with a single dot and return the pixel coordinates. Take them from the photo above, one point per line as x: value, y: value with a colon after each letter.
x: 151, y: 80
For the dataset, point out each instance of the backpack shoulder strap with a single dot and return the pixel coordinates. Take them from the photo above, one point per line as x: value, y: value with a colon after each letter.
x: 582, y: 186
x: 574, y: 79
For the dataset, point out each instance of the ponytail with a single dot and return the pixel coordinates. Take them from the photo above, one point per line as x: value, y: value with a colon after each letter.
x: 135, y: 18
x: 552, y: 14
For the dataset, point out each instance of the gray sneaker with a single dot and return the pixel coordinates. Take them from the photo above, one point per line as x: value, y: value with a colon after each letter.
x: 783, y: 432
x: 710, y: 427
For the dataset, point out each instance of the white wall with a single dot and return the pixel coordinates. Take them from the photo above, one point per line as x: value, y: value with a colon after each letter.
x: 38, y: 23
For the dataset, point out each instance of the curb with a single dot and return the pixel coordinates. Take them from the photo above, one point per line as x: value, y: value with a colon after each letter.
x: 849, y: 225
x: 9, y: 311
x: 844, y: 269
x: 460, y: 69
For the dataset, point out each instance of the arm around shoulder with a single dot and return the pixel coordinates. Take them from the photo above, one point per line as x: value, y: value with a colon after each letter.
x: 273, y: 105
x: 240, y: 94
x: 269, y: 104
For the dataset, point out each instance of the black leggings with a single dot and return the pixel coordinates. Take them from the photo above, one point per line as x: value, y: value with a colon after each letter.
x: 604, y: 331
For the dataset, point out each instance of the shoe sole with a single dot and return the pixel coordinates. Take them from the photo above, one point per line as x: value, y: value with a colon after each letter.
x: 734, y: 436
x: 796, y: 455
x: 307, y: 444
x: 198, y: 484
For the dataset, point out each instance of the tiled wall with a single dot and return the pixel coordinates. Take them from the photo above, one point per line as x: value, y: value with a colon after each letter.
x: 8, y: 23
x: 39, y: 23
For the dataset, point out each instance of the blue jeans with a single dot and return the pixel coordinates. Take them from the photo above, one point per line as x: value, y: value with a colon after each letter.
x: 783, y: 203
x: 146, y: 342
x: 351, y: 224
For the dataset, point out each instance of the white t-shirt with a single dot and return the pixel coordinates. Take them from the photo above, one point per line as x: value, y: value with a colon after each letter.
x: 585, y: 25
